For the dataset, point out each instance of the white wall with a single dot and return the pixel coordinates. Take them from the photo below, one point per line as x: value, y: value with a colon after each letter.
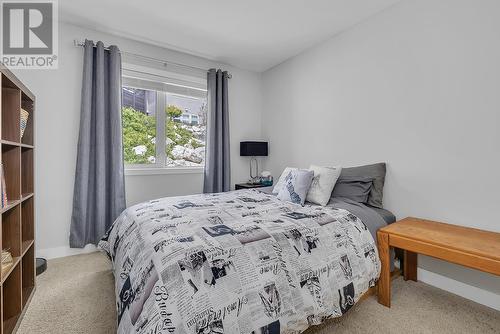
x: 57, y: 121
x: 417, y: 86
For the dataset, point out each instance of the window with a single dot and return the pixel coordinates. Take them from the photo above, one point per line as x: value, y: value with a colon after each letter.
x: 139, y: 125
x: 175, y: 113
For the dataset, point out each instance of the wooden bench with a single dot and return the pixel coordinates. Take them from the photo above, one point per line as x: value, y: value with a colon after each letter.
x: 469, y: 247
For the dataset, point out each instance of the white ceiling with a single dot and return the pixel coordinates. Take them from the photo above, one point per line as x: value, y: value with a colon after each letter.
x: 251, y: 34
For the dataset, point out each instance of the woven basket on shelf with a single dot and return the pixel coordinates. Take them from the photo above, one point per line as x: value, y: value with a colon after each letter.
x: 7, y: 261
x: 6, y: 257
x: 24, y: 120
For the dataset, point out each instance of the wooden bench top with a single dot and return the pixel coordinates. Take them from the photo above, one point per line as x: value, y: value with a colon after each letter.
x: 462, y: 239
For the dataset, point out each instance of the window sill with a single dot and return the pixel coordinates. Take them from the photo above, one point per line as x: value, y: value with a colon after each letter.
x: 163, y: 171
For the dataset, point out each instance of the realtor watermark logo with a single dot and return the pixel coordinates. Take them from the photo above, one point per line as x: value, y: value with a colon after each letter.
x: 29, y: 34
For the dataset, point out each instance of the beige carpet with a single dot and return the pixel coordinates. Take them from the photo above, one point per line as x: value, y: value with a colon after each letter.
x: 76, y: 295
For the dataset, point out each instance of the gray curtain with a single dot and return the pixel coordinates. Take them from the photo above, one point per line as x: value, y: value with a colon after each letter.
x: 217, y: 166
x: 99, y: 193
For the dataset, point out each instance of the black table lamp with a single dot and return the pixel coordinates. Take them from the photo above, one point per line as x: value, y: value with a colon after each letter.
x: 254, y: 149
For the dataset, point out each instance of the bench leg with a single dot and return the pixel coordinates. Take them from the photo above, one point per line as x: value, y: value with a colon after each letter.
x: 384, y: 282
x: 410, y: 266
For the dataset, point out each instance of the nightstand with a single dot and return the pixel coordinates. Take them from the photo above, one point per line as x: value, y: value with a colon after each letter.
x: 239, y: 186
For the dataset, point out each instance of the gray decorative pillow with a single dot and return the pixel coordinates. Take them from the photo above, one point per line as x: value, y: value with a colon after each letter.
x: 354, y: 188
x: 295, y: 186
x: 281, y: 180
x: 375, y: 171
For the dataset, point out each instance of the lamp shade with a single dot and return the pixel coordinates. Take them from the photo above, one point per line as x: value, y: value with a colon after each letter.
x: 253, y: 149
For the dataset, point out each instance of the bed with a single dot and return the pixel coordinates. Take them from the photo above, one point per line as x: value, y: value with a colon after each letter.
x: 239, y: 262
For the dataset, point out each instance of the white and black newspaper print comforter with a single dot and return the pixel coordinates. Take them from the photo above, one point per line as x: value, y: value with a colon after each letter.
x: 236, y: 262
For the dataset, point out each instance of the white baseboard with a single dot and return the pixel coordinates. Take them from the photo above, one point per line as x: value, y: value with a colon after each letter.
x: 53, y: 253
x: 467, y: 291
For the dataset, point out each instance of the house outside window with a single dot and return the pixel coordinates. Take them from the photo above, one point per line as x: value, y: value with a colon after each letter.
x: 187, y: 118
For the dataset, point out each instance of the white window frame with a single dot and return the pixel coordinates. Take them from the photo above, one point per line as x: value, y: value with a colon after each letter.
x: 160, y: 167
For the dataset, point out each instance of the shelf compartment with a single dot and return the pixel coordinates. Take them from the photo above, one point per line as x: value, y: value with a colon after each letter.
x: 28, y: 105
x: 11, y: 160
x: 25, y: 197
x: 26, y: 171
x: 28, y: 273
x: 27, y: 223
x: 12, y: 300
x: 10, y: 205
x: 25, y: 245
x: 11, y: 111
x: 11, y: 231
x: 7, y: 270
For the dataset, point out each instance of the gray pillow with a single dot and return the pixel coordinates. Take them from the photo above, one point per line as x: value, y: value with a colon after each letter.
x: 354, y: 188
x: 377, y: 172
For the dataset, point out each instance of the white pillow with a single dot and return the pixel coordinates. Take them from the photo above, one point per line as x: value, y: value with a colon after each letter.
x: 322, y: 185
x: 296, y: 185
x: 281, y: 180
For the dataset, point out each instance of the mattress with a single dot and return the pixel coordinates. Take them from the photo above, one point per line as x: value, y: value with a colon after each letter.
x: 237, y: 262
